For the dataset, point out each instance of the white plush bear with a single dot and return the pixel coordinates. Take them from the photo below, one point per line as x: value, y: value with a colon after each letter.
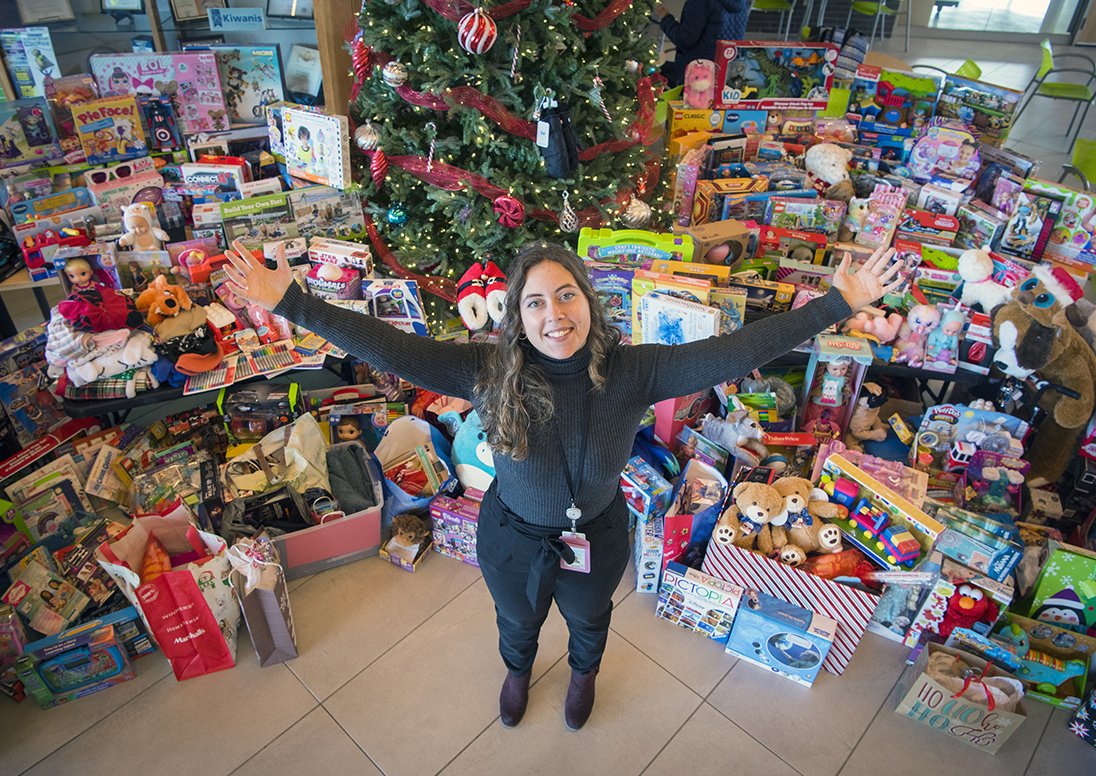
x: 979, y: 287
x: 827, y: 168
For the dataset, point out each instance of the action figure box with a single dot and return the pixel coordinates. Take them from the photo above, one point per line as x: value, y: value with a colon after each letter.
x: 712, y: 195
x: 784, y: 638
x: 68, y: 666
x: 646, y: 492
x: 698, y: 602
x: 453, y: 523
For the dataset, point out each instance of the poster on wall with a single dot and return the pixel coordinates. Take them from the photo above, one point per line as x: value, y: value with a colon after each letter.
x: 28, y: 52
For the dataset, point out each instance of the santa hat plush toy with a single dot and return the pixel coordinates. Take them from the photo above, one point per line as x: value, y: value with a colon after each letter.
x: 494, y: 287
x: 471, y: 301
x: 1065, y: 288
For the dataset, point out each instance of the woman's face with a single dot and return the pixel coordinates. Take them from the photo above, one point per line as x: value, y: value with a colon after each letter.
x: 555, y: 314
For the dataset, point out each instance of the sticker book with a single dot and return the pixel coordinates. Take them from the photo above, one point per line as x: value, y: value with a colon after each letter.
x: 189, y: 78
x: 317, y: 146
x: 770, y: 75
x: 110, y: 129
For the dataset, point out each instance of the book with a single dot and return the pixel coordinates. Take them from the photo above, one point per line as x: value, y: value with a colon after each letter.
x: 27, y: 133
x: 31, y: 61
x: 110, y: 129
x: 316, y: 146
x: 189, y: 78
x: 62, y: 94
x: 251, y: 77
x: 257, y: 220
x: 668, y: 320
x: 46, y: 600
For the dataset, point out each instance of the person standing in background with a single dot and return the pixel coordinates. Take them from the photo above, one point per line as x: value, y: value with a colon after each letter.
x: 703, y: 22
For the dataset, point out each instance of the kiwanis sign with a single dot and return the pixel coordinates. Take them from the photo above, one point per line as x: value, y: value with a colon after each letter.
x: 236, y: 19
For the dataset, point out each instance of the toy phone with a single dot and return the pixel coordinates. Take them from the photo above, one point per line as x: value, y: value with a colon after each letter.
x: 81, y: 666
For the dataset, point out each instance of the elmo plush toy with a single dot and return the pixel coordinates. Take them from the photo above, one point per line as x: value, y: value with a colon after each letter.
x: 967, y: 606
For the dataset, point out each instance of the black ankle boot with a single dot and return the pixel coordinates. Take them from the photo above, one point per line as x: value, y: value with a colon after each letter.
x: 580, y: 699
x: 513, y: 699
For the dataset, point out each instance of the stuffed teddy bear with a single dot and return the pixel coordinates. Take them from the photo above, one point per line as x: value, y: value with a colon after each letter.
x: 1040, y: 339
x: 803, y: 531
x: 827, y: 168
x: 865, y: 423
x: 738, y: 433
x: 181, y: 328
x: 142, y: 232
x: 875, y: 325
x: 746, y: 522
x: 979, y: 287
x: 699, y: 91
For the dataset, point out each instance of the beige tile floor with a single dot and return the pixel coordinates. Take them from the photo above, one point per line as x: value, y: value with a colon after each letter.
x: 398, y: 673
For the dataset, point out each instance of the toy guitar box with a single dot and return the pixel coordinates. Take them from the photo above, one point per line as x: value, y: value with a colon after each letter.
x: 190, y: 79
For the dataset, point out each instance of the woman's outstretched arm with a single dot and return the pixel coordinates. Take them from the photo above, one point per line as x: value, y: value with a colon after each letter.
x: 444, y: 367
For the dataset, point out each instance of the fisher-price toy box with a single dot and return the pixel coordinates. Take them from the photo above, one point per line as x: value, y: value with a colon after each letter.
x: 698, y: 602
x: 453, y: 523
x: 782, y: 637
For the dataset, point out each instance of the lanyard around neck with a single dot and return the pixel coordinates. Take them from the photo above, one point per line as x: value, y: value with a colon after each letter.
x: 574, y: 514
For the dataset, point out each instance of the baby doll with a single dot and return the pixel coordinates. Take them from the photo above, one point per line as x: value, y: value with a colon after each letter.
x: 833, y: 389
x: 909, y: 348
x: 79, y: 273
x: 93, y: 304
x: 348, y: 429
x: 408, y: 532
x: 942, y: 345
x: 142, y: 232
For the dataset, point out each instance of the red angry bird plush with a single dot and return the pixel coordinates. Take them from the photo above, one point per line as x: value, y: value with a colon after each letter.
x: 967, y: 606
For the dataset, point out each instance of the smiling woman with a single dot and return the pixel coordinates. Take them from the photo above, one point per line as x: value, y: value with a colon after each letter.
x: 560, y: 400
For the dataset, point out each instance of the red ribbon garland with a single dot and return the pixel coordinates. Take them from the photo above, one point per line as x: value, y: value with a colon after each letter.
x: 455, y: 10
x: 443, y: 287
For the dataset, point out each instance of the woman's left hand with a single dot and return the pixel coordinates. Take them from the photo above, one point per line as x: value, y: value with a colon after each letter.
x: 876, y: 278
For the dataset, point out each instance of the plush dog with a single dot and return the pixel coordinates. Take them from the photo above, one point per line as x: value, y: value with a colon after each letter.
x: 827, y: 166
x: 865, y: 423
x: 746, y: 523
x: 979, y: 287
x: 1040, y: 339
x: 181, y: 328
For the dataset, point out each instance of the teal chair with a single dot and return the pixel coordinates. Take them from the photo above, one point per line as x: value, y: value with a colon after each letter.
x: 877, y: 10
x: 1079, y: 94
x: 784, y: 7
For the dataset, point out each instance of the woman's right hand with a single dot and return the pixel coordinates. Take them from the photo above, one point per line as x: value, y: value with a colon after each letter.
x: 249, y: 278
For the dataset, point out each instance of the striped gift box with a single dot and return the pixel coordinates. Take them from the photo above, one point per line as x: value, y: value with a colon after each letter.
x: 851, y: 608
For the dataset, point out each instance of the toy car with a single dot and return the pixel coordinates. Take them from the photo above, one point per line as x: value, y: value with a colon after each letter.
x: 959, y: 455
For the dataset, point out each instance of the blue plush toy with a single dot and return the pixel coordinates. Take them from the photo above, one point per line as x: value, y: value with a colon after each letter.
x: 472, y: 456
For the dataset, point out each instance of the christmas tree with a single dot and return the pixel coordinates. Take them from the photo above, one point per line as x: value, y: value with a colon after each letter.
x: 447, y: 102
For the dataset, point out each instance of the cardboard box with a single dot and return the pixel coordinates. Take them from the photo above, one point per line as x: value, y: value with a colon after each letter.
x: 424, y: 548
x: 697, y: 601
x: 930, y: 703
x: 850, y: 607
x: 646, y: 492
x: 710, y: 195
x: 782, y: 637
x: 453, y: 523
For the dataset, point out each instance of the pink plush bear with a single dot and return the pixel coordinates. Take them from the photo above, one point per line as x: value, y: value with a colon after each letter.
x: 882, y: 328
x: 700, y: 83
x: 910, y: 346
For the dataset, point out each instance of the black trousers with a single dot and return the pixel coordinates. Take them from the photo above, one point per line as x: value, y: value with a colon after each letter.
x: 523, y: 575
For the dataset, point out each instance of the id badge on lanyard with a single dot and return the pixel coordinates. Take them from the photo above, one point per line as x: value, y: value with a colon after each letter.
x: 578, y: 542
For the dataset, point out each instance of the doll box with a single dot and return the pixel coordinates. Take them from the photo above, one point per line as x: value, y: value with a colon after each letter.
x: 453, y: 523
x: 698, y: 602
x: 851, y: 607
x: 784, y: 638
x: 71, y: 665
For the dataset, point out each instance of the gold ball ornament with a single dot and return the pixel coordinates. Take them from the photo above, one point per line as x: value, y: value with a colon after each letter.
x: 366, y: 137
x: 394, y: 74
x: 636, y: 214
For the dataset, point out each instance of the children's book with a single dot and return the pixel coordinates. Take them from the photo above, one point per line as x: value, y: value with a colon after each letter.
x: 322, y: 211
x: 28, y: 52
x: 251, y: 77
x: 258, y: 220
x: 189, y: 78
x: 27, y: 133
x: 110, y: 129
x: 668, y: 320
x: 317, y: 146
x: 47, y: 602
x: 62, y: 94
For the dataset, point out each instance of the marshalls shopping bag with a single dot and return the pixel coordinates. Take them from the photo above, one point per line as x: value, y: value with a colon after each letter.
x: 178, y: 578
x: 259, y: 582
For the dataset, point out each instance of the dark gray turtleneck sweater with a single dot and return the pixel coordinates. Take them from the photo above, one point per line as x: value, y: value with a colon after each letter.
x: 637, y: 376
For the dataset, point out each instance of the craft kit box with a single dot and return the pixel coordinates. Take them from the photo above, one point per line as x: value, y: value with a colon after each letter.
x: 782, y: 637
x: 697, y: 601
x: 453, y: 522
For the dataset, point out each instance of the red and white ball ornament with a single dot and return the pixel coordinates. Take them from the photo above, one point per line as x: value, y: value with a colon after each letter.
x: 510, y: 211
x: 477, y: 32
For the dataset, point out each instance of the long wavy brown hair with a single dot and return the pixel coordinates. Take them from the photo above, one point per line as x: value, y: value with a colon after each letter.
x: 513, y: 394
